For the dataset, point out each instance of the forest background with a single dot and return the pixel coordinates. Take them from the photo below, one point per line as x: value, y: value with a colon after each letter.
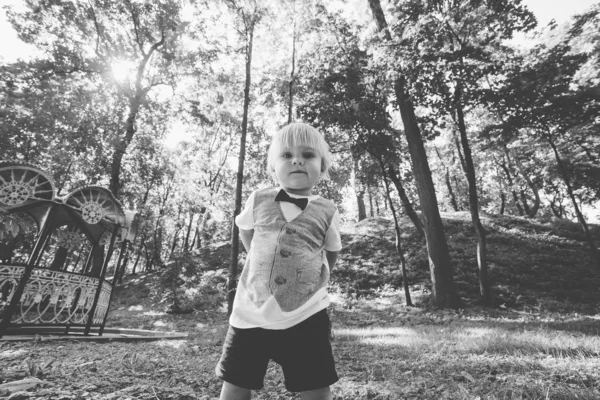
x: 427, y: 106
x: 112, y: 81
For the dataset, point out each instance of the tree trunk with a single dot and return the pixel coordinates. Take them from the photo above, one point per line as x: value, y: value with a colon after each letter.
x: 129, y: 249
x: 451, y: 195
x: 444, y: 293
x: 156, y: 258
x: 178, y: 226
x: 135, y: 102
x: 379, y: 16
x: 463, y: 163
x: 521, y: 194
x: 149, y: 259
x: 484, y: 284
x: 59, y: 259
x: 139, y: 255
x: 524, y: 201
x: 360, y: 193
x: 360, y: 202
x: 560, y: 212
x: 510, y: 184
x: 60, y: 183
x: 123, y: 143
x: 122, y: 250
x: 201, y: 227
x: 444, y: 290
x: 453, y: 202
x: 408, y: 208
x: 370, y: 193
x: 292, y: 77
x: 407, y: 297
x: 186, y: 243
x: 536, y: 202
x: 235, y: 232
x: 97, y: 261
x: 459, y: 200
x: 174, y: 244
x: 502, y: 203
x: 196, y: 240
x: 580, y: 217
x: 125, y: 248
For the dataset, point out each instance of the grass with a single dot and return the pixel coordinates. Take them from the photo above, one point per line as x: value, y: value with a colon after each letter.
x: 382, y: 353
x: 461, y: 357
x: 541, y: 340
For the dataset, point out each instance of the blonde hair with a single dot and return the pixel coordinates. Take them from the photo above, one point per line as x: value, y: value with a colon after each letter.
x: 299, y: 134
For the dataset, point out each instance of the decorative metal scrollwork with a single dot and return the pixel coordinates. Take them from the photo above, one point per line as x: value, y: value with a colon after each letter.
x: 69, y: 239
x: 18, y: 183
x: 92, y: 212
x: 95, y: 204
x: 54, y: 297
x: 15, y: 193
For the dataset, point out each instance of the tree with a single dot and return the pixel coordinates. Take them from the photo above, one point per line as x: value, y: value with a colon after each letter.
x: 62, y: 123
x: 444, y: 290
x: 547, y: 104
x: 345, y: 95
x: 399, y: 250
x: 293, y: 69
x: 459, y: 44
x: 249, y: 16
x: 103, y: 38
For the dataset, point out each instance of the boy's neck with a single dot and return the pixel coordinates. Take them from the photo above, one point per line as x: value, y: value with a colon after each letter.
x: 299, y: 192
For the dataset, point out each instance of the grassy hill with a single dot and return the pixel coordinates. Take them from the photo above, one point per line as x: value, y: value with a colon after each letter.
x: 533, y: 266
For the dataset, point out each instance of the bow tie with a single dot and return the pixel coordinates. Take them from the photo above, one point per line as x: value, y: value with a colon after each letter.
x: 283, y: 196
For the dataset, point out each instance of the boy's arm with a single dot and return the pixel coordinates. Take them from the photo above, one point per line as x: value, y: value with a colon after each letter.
x: 246, y: 236
x: 331, y: 258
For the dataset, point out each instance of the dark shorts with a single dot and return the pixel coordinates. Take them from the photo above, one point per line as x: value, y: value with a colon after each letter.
x: 303, y: 351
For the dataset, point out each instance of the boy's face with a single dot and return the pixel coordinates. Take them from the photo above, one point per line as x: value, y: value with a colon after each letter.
x: 298, y: 169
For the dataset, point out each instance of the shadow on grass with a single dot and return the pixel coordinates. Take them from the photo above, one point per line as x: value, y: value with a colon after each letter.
x: 558, y: 339
x: 466, y: 359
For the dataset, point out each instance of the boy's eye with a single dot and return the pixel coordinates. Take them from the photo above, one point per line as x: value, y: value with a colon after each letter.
x: 308, y: 155
x: 286, y: 155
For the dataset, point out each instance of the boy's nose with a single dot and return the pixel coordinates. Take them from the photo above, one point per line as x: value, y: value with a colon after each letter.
x: 297, y: 161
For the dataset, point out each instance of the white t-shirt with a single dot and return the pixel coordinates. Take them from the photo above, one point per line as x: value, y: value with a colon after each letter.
x: 270, y: 316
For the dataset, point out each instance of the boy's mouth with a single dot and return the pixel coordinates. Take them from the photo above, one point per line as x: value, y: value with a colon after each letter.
x: 297, y: 172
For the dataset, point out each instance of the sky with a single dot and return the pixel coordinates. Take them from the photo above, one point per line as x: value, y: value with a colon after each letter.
x: 545, y: 11
x: 12, y: 48
x: 561, y: 10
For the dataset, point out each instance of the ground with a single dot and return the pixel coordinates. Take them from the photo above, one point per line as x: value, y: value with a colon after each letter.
x: 540, y: 339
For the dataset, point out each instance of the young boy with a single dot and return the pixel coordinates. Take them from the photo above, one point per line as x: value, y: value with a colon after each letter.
x: 292, y: 239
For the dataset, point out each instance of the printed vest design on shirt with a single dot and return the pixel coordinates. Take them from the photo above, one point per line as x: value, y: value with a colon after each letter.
x: 286, y: 258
